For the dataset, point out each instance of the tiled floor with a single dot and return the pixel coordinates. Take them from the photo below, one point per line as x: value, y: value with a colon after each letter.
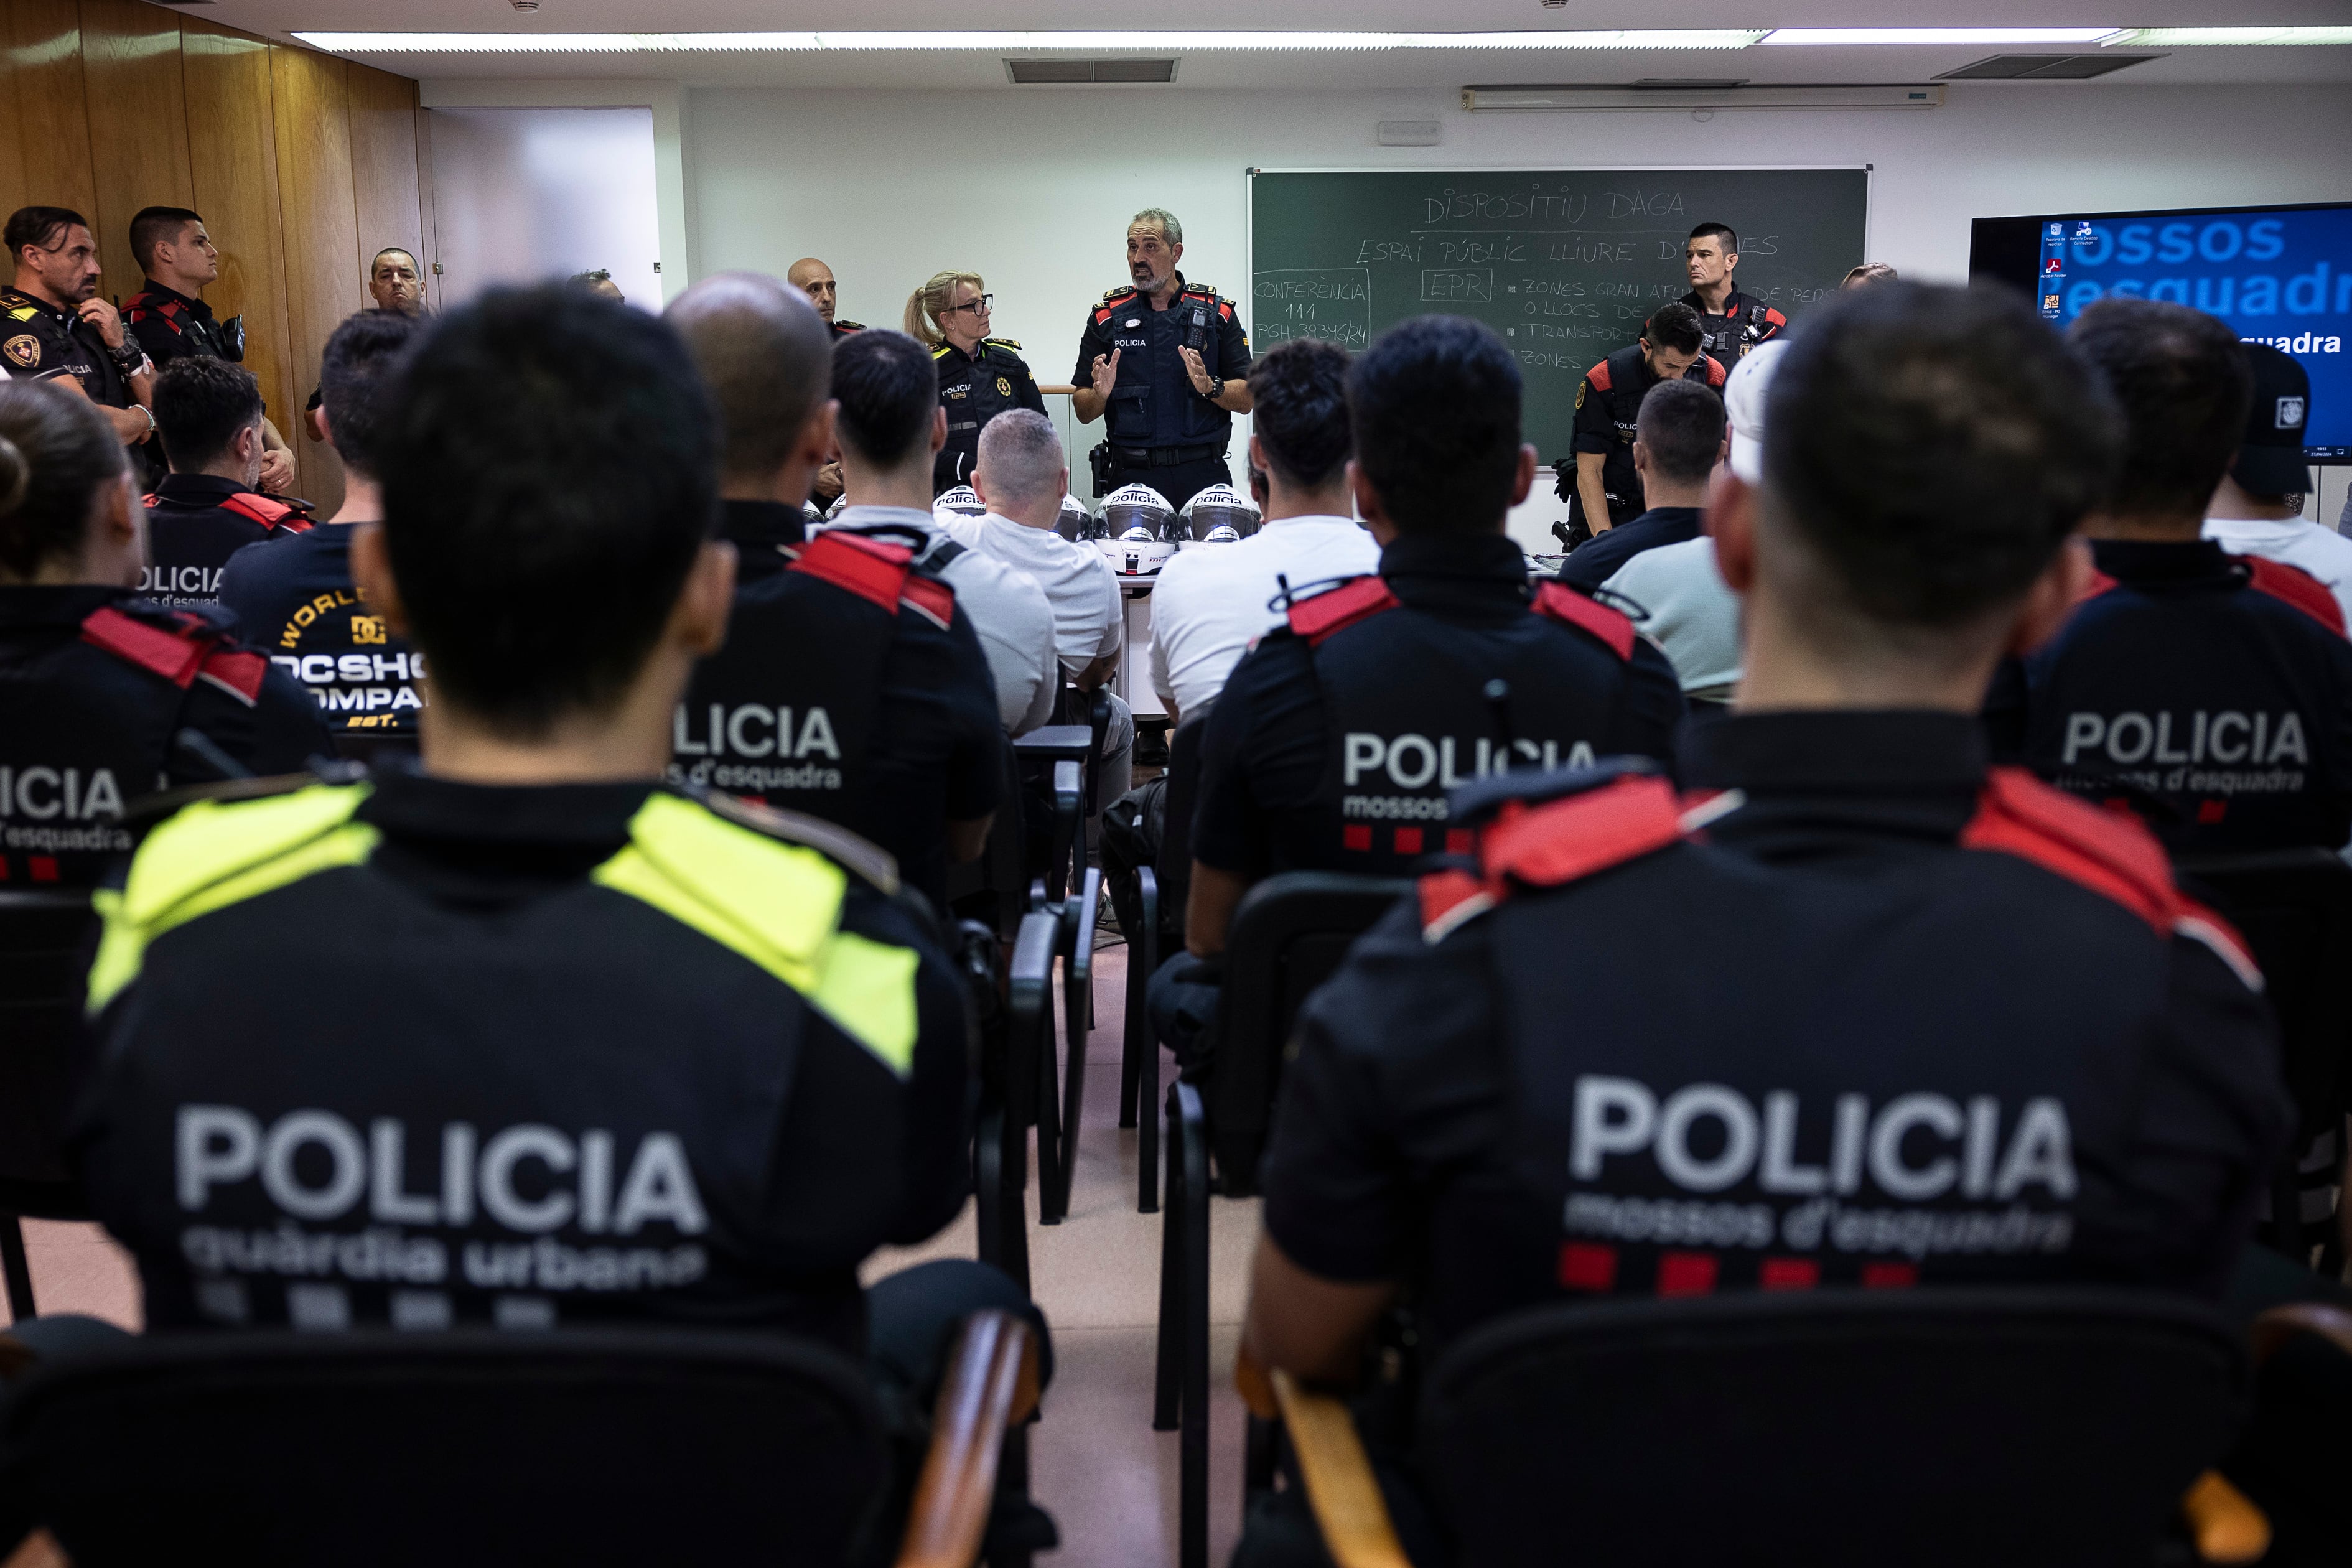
x: 1108, y: 1480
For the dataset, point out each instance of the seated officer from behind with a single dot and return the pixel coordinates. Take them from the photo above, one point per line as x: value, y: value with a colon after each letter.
x: 1858, y: 1011
x: 99, y: 687
x: 1607, y: 489
x: 209, y: 507
x: 565, y: 1044
x: 1678, y: 438
x: 852, y: 686
x: 2210, y: 692
x: 294, y: 594
x: 1338, y: 736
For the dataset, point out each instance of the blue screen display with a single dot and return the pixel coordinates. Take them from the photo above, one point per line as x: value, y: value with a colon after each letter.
x: 2281, y: 276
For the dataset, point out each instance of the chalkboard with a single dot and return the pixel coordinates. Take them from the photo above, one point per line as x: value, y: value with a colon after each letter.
x: 1565, y: 263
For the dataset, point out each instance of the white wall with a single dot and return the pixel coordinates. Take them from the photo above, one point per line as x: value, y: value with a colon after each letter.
x: 1033, y: 188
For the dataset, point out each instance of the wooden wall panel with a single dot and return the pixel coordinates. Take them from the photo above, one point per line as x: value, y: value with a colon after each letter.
x: 138, y: 125
x: 52, y: 130
x: 315, y: 187
x: 385, y: 186
x: 233, y: 157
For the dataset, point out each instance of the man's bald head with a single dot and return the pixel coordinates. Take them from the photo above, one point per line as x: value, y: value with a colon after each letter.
x: 813, y: 278
x: 767, y: 359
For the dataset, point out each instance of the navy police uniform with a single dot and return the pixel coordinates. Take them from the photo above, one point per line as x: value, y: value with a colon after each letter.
x: 40, y: 340
x: 1338, y: 738
x: 2210, y: 692
x: 1597, y: 559
x: 172, y: 325
x: 96, y: 686
x: 842, y: 329
x: 293, y: 594
x: 1608, y: 400
x: 1160, y: 431
x: 1859, y: 1011
x: 599, y: 1052
x: 852, y: 688
x: 196, y: 522
x: 974, y: 388
x: 1745, y: 322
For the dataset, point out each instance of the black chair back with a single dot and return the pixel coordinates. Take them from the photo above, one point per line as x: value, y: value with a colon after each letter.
x: 1288, y: 935
x: 47, y: 938
x: 1174, y: 866
x: 1961, y: 1426
x: 644, y: 1446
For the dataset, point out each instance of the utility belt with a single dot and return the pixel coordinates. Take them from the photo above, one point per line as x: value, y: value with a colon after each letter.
x: 1107, y: 459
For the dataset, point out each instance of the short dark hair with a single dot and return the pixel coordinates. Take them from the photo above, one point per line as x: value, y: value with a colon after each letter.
x: 1673, y: 326
x: 1299, y: 391
x: 766, y: 357
x: 355, y: 376
x: 549, y: 462
x: 56, y: 450
x: 1933, y: 447
x: 36, y: 226
x: 2185, y: 387
x: 1681, y: 427
x: 1730, y: 239
x: 887, y: 385
x: 152, y: 227
x: 200, y: 405
x: 1435, y: 404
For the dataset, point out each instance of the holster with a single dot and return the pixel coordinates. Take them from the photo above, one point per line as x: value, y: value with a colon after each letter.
x: 1105, y: 480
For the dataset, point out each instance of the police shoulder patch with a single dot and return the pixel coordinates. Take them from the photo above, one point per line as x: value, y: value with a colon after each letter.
x: 1566, y: 839
x: 1556, y: 601
x: 24, y: 350
x: 2297, y: 587
x: 1329, y: 613
x: 268, y: 510
x: 848, y: 326
x: 1596, y: 378
x: 939, y: 351
x: 1012, y: 343
x: 1715, y: 374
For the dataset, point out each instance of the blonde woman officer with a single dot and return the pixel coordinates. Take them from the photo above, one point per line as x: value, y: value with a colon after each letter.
x: 979, y: 377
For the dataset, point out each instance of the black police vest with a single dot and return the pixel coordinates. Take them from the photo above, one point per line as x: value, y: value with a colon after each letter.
x: 185, y: 327
x: 973, y: 390
x: 1154, y: 402
x: 784, y: 713
x: 91, y: 724
x: 1409, y: 716
x: 1770, y: 1113
x: 191, y: 537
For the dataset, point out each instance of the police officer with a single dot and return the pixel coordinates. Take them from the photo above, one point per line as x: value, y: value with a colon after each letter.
x: 208, y: 416
x: 2210, y: 692
x: 1605, y: 490
x: 396, y: 283
x: 852, y: 686
x: 1337, y: 738
x: 1855, y: 1012
x: 170, y: 318
x: 635, y: 1054
x: 294, y: 592
x: 1167, y: 361
x: 53, y: 324
x: 99, y: 687
x: 814, y: 279
x: 1733, y: 322
x: 979, y: 377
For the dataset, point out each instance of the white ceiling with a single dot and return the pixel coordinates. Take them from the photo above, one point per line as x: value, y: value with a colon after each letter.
x: 1418, y: 69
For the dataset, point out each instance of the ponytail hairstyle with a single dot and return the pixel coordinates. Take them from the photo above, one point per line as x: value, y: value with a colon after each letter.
x: 56, y: 452
x: 928, y: 303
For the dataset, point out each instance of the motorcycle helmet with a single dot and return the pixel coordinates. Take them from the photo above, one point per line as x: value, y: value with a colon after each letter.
x: 1075, y: 524
x: 1138, y: 531
x: 961, y: 501
x: 1217, y: 515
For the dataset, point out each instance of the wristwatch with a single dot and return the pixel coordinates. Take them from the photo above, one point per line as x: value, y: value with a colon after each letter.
x: 1216, y: 388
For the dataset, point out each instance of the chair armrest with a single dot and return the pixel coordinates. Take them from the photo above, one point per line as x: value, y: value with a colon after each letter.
x: 990, y: 1386
x: 2224, y: 1522
x: 1348, y: 1510
x: 2276, y: 1326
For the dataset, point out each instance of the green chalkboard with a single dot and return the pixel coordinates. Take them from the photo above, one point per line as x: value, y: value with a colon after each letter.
x: 1565, y: 263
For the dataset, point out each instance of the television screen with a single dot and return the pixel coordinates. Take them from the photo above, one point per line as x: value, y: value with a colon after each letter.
x: 2281, y: 276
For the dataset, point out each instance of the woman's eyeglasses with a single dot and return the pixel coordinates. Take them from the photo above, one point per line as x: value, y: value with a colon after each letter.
x: 979, y: 307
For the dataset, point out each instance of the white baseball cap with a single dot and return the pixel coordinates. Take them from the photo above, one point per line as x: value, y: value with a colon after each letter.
x: 1743, y: 405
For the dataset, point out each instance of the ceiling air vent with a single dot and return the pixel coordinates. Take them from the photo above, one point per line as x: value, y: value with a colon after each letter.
x: 1032, y: 73
x: 2044, y: 67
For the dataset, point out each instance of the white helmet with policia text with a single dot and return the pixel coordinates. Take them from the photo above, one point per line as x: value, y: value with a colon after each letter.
x: 958, y: 500
x: 1218, y: 515
x: 1075, y: 523
x: 1137, y: 531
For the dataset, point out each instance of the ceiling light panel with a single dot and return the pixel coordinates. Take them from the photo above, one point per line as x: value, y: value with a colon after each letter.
x: 1089, y: 42
x: 2179, y: 37
x: 1835, y: 36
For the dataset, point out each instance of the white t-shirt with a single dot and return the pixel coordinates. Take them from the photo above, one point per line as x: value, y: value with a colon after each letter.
x: 2303, y: 545
x: 1690, y: 612
x: 1088, y: 619
x: 1210, y: 602
x: 1008, y: 609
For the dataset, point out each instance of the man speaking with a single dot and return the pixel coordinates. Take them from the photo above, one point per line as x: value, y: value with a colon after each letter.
x: 1166, y: 359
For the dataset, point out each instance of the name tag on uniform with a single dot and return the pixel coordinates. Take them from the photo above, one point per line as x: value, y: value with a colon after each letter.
x: 1132, y: 321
